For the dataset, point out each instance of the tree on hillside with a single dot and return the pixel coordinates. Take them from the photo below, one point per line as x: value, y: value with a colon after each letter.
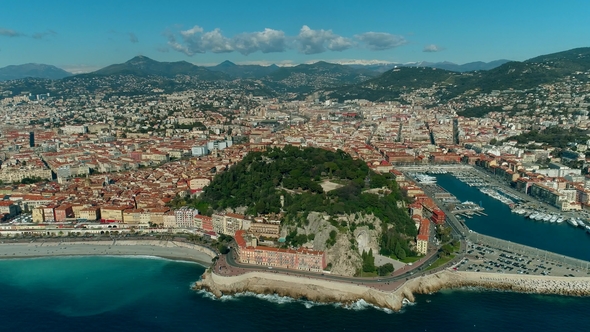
x: 368, y: 261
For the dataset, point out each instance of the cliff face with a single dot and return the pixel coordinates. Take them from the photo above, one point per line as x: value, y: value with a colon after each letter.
x: 345, y: 254
x: 329, y: 291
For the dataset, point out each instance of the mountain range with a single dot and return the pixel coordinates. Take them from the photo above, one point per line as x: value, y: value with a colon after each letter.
x: 144, y: 66
x: 35, y: 70
x: 325, y: 79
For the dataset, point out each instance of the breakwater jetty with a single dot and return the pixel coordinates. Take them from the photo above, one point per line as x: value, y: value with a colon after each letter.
x: 321, y: 290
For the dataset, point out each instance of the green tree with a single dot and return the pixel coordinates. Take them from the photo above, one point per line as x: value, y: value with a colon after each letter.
x: 386, y: 269
x: 400, y: 252
x: 368, y: 261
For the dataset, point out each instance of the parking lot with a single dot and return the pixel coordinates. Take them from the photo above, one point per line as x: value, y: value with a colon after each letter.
x: 22, y: 218
x: 482, y: 258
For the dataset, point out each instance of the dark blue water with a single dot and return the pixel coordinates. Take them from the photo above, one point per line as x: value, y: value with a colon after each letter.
x: 134, y: 294
x: 500, y: 222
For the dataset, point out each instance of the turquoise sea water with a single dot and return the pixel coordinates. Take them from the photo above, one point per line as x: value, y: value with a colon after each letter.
x: 141, y: 294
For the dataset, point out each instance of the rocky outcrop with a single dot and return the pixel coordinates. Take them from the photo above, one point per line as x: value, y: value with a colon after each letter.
x: 331, y: 291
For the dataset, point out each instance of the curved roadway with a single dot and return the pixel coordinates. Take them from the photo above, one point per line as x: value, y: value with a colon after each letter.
x: 381, y: 280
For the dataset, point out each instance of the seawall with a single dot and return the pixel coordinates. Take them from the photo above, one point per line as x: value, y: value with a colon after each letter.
x: 320, y: 290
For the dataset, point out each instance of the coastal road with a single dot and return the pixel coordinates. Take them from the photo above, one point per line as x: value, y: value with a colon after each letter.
x: 381, y: 282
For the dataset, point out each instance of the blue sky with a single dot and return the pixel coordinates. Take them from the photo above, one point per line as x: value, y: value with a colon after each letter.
x: 86, y: 35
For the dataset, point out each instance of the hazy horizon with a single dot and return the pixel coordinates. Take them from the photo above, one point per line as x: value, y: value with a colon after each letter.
x: 82, y: 38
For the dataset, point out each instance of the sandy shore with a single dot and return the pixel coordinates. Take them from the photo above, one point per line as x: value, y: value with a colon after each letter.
x: 166, y: 249
x: 332, y: 291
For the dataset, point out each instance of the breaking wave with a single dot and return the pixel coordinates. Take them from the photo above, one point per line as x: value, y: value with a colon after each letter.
x: 277, y: 299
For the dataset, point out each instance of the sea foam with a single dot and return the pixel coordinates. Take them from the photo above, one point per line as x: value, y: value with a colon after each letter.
x: 280, y: 300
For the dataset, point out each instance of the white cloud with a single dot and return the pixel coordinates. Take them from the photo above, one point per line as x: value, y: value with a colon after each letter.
x: 190, y: 32
x: 432, y: 48
x: 196, y: 40
x: 318, y: 41
x: 215, y: 42
x: 267, y: 41
x: 379, y: 41
x: 340, y: 44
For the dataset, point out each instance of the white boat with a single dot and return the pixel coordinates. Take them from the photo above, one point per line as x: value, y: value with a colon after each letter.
x: 425, y: 179
x: 554, y: 218
x: 572, y: 221
x: 559, y: 220
x: 547, y: 217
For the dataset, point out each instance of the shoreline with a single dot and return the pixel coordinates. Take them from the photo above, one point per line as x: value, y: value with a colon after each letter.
x: 326, y: 291
x: 172, y: 250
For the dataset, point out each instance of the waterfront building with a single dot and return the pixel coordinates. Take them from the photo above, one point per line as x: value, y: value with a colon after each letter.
x: 49, y: 213
x: 112, y: 213
x: 185, y: 217
x: 423, y: 236
x: 438, y: 216
x: 301, y: 259
x: 169, y: 220
x: 549, y: 195
x: 431, y: 210
x: 203, y: 222
x: 157, y: 215
x: 132, y: 216
x: 63, y: 212
x: 90, y: 213
x: 37, y: 215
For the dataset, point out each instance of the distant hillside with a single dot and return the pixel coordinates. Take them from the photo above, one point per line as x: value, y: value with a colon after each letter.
x: 32, y: 70
x: 391, y: 84
x: 510, y: 75
x: 320, y: 75
x: 471, y: 66
x: 144, y: 66
x: 244, y: 71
